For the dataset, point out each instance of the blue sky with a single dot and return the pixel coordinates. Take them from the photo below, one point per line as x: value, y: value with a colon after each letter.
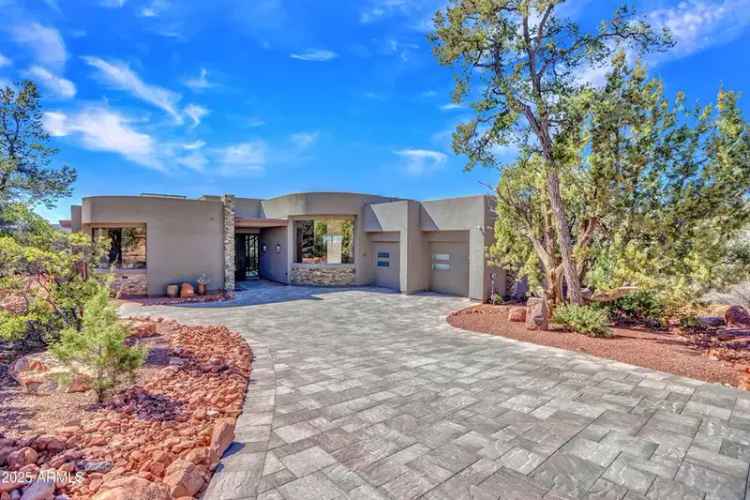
x: 264, y: 97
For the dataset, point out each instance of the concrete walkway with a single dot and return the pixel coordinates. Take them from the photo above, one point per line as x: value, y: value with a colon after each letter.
x: 366, y: 394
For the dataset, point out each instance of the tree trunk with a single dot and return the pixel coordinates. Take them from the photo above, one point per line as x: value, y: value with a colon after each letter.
x: 563, y: 236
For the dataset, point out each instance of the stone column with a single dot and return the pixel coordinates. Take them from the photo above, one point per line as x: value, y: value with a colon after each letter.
x: 228, y: 201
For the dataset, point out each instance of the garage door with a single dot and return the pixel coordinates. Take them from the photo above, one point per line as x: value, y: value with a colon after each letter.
x: 387, y: 265
x: 450, y: 268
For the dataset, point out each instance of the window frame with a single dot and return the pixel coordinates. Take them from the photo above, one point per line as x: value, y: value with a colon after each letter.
x: 346, y: 259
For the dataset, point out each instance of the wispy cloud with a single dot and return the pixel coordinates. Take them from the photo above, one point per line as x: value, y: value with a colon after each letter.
x: 304, y: 140
x: 452, y: 107
x: 46, y: 43
x: 194, y: 161
x: 421, y: 161
x: 4, y: 61
x: 155, y: 8
x: 196, y: 113
x: 255, y: 121
x: 192, y: 146
x: 58, y: 85
x: 242, y: 158
x: 698, y: 24
x: 200, y: 82
x: 120, y: 76
x: 316, y: 55
x: 112, y: 4
x: 101, y: 129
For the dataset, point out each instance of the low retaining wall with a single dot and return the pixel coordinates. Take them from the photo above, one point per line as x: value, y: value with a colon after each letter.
x: 322, y: 275
x: 130, y: 283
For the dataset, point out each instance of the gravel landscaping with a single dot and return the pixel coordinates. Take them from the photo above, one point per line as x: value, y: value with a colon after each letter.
x: 665, y: 351
x: 157, y: 439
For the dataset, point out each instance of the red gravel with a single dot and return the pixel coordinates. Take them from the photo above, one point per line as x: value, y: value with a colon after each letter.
x: 664, y: 351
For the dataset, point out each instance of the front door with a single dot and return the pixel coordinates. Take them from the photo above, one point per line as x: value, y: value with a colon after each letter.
x: 246, y: 256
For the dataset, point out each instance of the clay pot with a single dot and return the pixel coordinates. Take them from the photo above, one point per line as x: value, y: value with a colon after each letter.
x: 172, y: 291
x: 201, y: 289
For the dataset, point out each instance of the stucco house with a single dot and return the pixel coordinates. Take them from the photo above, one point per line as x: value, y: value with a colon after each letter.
x: 326, y: 239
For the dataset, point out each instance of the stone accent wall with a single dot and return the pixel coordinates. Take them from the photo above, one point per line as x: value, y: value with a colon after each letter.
x: 229, y: 268
x: 323, y: 275
x: 130, y: 283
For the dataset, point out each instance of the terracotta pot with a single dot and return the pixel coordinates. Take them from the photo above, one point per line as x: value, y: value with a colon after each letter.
x: 172, y: 291
x: 201, y: 289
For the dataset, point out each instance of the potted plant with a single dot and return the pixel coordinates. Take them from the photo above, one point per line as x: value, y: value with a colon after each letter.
x: 202, y: 284
x: 173, y: 291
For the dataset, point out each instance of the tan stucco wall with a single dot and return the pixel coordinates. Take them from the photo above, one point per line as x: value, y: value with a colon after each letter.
x: 184, y: 238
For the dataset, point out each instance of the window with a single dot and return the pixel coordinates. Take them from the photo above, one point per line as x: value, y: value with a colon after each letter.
x: 441, y: 262
x: 126, y: 247
x: 328, y: 240
x: 384, y: 259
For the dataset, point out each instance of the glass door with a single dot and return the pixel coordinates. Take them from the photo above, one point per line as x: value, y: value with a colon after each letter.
x: 246, y: 256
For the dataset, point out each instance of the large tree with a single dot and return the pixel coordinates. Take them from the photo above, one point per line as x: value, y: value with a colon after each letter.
x: 25, y: 156
x: 524, y: 61
x: 656, y: 192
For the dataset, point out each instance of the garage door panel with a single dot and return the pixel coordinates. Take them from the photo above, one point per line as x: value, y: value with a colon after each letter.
x: 450, y: 268
x: 387, y: 264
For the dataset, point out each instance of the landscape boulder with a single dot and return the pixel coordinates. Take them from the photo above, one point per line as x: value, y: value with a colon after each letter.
x: 24, y: 456
x: 710, y: 321
x: 40, y: 373
x: 132, y: 487
x: 737, y: 316
x: 536, y: 314
x: 39, y: 490
x: 186, y: 290
x: 221, y: 438
x: 517, y: 314
x: 183, y: 478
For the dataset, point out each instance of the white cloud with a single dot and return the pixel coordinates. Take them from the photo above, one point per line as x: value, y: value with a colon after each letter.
x: 246, y: 157
x: 100, y: 129
x: 255, y: 122
x: 699, y: 24
x: 46, y: 43
x: 200, y: 82
x: 304, y: 139
x: 58, y: 85
x: 112, y: 4
x: 4, y: 61
x: 379, y: 9
x: 452, y: 107
x: 196, y: 113
x: 192, y: 146
x: 194, y: 161
x: 421, y: 161
x: 120, y: 76
x: 155, y: 8
x: 316, y: 55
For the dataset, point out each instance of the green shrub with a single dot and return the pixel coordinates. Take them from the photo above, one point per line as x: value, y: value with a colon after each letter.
x: 642, y: 306
x: 99, y: 346
x: 588, y: 320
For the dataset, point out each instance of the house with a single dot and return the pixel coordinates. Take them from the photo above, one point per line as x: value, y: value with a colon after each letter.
x: 325, y: 239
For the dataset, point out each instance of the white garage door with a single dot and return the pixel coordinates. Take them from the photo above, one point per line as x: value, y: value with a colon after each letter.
x: 450, y: 268
x: 386, y: 257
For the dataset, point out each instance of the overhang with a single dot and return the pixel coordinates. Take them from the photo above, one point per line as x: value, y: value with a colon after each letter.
x: 249, y: 222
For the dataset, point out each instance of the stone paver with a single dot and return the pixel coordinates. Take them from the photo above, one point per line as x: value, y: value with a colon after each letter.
x: 366, y: 394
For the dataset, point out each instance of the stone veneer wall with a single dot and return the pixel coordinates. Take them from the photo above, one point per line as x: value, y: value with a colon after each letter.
x: 130, y: 283
x: 322, y: 275
x: 229, y: 267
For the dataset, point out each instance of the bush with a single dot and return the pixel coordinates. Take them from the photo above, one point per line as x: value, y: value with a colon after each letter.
x: 99, y: 346
x: 588, y: 320
x: 642, y: 306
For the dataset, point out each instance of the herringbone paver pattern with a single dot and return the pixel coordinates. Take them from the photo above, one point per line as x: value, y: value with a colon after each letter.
x: 365, y: 394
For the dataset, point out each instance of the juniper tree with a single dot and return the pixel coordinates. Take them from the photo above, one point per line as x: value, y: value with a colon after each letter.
x: 524, y: 60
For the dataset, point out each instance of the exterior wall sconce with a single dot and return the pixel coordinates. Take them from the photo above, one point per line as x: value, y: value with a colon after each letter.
x: 264, y: 248
x: 278, y: 247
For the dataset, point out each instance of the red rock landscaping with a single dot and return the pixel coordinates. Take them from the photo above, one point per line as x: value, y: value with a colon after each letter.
x: 159, y: 439
x: 702, y: 356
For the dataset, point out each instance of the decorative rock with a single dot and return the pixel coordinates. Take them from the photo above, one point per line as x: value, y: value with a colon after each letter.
x: 710, y: 321
x: 536, y: 314
x: 186, y: 290
x: 517, y: 314
x: 322, y: 275
x: 39, y: 490
x: 198, y: 456
x: 737, y: 316
x: 132, y: 487
x: 183, y: 478
x: 40, y: 373
x: 24, y: 456
x: 221, y: 438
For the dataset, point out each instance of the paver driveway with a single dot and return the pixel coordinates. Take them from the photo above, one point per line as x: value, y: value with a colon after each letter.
x: 366, y: 394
